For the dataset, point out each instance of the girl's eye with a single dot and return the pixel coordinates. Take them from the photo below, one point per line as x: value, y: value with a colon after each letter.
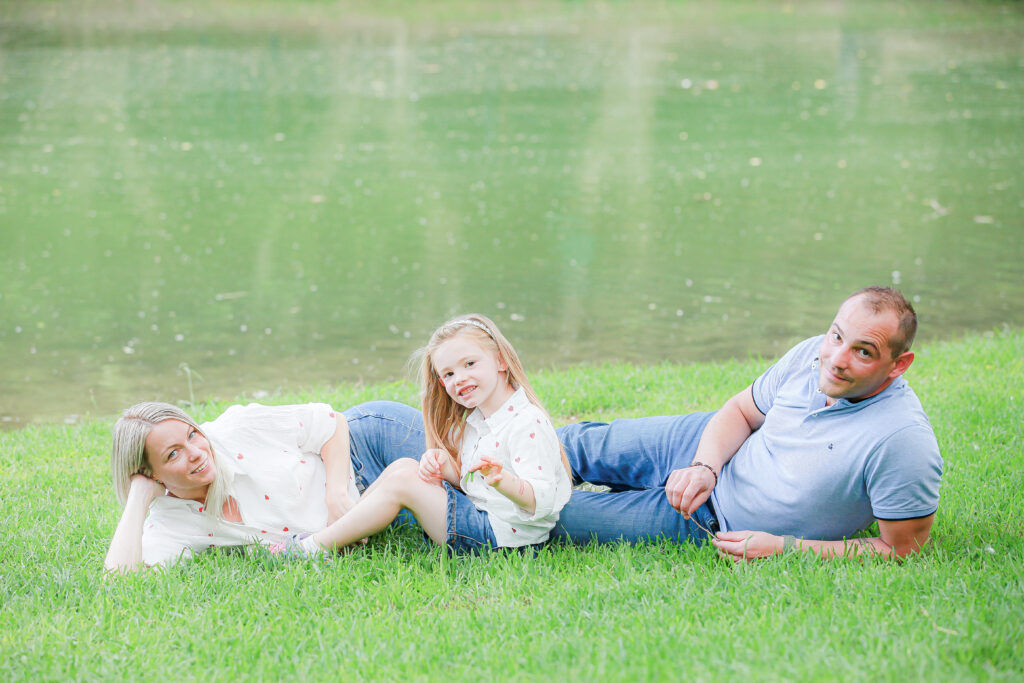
x: 191, y: 433
x: 470, y: 363
x: 173, y: 454
x: 835, y: 336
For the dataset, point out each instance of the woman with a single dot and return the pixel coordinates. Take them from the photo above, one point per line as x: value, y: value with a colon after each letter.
x: 255, y: 474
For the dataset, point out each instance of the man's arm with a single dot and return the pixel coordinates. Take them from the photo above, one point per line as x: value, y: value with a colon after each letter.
x: 688, y: 488
x: 897, y: 539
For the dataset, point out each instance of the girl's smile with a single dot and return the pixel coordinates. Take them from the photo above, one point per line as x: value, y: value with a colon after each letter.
x: 473, y: 377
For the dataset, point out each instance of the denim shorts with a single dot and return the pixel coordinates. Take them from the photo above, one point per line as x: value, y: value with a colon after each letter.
x: 469, y: 528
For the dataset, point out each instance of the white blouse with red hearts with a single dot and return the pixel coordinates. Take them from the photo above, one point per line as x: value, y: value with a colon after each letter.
x: 520, y: 437
x: 271, y: 455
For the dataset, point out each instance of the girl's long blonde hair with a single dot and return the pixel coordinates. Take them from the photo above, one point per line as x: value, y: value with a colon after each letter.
x: 128, y: 452
x: 444, y: 420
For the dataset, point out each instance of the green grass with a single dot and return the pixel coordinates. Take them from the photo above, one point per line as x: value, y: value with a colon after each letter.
x: 399, y: 610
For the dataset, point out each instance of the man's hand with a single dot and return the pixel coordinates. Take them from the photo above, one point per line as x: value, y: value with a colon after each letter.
x: 746, y: 545
x: 688, y: 488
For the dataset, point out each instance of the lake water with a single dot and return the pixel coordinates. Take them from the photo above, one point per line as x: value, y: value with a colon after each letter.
x: 286, y: 195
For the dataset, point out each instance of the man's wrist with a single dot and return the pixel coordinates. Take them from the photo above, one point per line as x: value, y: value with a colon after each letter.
x: 698, y: 463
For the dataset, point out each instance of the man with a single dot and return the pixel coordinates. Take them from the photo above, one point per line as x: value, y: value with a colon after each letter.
x: 826, y: 441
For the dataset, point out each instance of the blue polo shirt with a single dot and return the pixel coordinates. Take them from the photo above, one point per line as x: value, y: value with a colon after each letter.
x: 826, y: 472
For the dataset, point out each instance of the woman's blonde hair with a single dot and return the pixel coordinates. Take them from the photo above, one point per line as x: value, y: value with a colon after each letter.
x: 444, y: 420
x: 128, y: 452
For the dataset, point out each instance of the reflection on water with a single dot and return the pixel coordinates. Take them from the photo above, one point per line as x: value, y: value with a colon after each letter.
x: 280, y: 207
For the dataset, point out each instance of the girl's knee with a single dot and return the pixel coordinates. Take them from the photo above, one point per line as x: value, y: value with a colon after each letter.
x: 401, y: 469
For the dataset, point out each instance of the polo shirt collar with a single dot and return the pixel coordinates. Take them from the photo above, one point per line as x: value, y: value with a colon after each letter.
x: 818, y: 398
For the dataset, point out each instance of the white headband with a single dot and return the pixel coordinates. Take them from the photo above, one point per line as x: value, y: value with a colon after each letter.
x: 474, y: 323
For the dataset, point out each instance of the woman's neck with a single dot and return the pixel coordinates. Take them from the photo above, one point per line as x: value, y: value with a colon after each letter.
x: 196, y: 494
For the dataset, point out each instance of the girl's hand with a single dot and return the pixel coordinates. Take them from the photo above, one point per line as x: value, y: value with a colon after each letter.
x: 150, y: 489
x: 490, y: 469
x: 432, y: 464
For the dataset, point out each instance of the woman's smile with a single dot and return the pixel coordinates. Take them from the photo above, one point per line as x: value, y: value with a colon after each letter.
x: 181, y: 459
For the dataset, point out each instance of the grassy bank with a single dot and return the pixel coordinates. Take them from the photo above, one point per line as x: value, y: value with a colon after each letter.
x: 399, y: 610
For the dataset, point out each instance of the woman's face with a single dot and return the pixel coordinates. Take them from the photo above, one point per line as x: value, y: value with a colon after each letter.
x: 181, y: 459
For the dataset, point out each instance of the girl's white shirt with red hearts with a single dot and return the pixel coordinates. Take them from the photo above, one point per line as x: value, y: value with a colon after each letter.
x: 520, y: 437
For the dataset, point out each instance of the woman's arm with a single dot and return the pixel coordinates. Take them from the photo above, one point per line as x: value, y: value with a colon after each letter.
x: 125, y: 553
x: 338, y: 464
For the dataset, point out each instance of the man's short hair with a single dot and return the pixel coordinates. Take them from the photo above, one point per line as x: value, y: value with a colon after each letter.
x: 888, y: 299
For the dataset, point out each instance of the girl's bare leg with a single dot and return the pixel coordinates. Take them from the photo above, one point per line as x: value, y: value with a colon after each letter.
x: 399, y: 486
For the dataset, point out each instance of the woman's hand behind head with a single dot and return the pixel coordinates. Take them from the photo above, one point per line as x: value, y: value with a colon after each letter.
x: 148, y: 488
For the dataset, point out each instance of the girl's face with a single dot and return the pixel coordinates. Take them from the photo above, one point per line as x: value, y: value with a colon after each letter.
x: 181, y: 459
x: 474, y: 377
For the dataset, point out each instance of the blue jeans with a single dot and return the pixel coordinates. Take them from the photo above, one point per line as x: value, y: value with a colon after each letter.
x: 381, y: 432
x: 634, y: 459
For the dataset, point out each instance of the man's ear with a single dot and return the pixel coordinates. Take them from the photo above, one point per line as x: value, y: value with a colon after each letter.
x: 903, y: 362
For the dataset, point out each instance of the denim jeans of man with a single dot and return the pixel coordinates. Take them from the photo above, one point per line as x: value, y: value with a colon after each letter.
x: 634, y: 459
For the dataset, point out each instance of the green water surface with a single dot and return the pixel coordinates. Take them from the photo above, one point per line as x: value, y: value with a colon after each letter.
x: 278, y: 195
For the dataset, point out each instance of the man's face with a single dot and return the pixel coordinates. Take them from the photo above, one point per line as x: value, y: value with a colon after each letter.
x: 856, y: 359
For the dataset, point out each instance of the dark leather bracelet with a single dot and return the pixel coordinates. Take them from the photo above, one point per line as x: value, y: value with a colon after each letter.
x: 698, y: 463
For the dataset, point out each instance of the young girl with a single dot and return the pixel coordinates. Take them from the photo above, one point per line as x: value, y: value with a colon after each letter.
x: 493, y: 475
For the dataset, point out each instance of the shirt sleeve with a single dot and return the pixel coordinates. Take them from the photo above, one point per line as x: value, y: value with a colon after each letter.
x: 766, y: 387
x: 902, y: 475
x: 308, y: 425
x: 317, y: 424
x: 537, y: 459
